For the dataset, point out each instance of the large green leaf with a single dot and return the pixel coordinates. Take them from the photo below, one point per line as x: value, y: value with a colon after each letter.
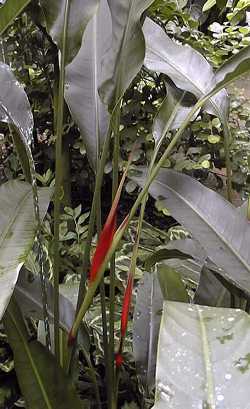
x: 43, y: 384
x: 73, y: 16
x: 203, y: 358
x: 14, y: 104
x: 28, y: 295
x: 187, y: 68
x: 17, y: 232
x: 124, y: 58
x: 83, y: 78
x: 214, y: 222
x: 147, y: 316
x: 9, y: 11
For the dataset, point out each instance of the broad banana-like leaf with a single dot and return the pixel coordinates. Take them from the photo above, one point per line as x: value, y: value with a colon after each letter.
x: 14, y: 104
x: 236, y: 66
x: 214, y: 222
x: 9, y: 11
x: 29, y: 298
x: 82, y: 80
x: 187, y: 68
x: 203, y: 358
x: 17, y: 232
x: 147, y: 317
x: 125, y: 57
x: 43, y: 383
x: 73, y: 16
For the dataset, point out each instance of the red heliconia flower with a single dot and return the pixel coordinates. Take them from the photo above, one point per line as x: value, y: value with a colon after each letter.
x: 124, y: 318
x: 107, y: 233
x: 126, y: 305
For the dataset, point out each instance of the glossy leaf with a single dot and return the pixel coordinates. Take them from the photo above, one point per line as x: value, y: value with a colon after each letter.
x: 9, y: 11
x: 28, y: 296
x: 17, y: 231
x: 43, y: 384
x: 82, y: 80
x: 203, y: 358
x: 214, y: 222
x: 124, y: 59
x: 56, y: 13
x: 187, y: 68
x: 14, y: 104
x: 147, y: 316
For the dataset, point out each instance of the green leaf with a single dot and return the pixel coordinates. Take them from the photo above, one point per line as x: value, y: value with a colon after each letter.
x: 83, y: 77
x: 124, y: 58
x: 74, y: 15
x: 172, y: 286
x: 14, y: 104
x: 9, y: 11
x: 208, y: 5
x: 17, y: 232
x: 43, y: 384
x: 147, y: 315
x: 214, y: 222
x: 203, y: 358
x: 28, y: 296
x: 187, y: 68
x: 164, y: 254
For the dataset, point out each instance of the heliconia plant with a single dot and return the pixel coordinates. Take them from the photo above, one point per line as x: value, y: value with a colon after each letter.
x: 97, y: 65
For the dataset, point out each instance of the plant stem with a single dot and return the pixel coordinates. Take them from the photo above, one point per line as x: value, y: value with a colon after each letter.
x: 58, y: 182
x: 91, y: 225
x: 227, y: 138
x: 103, y: 303
x: 116, y: 153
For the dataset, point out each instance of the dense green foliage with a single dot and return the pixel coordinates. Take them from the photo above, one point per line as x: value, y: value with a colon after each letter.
x: 68, y: 138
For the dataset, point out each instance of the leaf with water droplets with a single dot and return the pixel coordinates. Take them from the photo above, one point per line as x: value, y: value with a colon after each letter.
x: 203, y: 358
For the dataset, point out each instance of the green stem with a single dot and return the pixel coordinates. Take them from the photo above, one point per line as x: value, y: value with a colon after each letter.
x: 91, y: 225
x: 58, y: 182
x: 103, y: 302
x: 115, y: 181
x: 227, y: 138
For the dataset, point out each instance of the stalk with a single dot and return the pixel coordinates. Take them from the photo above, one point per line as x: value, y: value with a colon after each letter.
x: 227, y: 138
x: 103, y: 303
x: 58, y: 182
x: 116, y: 152
x: 91, y: 225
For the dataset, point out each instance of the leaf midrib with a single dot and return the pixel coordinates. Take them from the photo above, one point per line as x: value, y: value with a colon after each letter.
x: 32, y: 363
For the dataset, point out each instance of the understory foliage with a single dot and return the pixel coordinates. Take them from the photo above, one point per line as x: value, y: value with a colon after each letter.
x: 124, y: 183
